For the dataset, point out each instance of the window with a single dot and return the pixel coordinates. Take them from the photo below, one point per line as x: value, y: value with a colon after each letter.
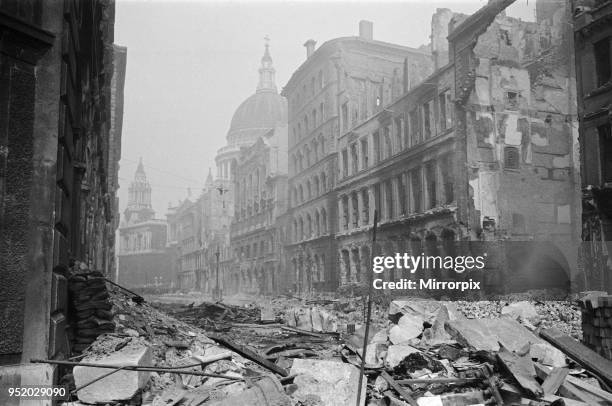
x: 377, y: 199
x: 364, y: 153
x: 445, y: 111
x: 388, y: 143
x: 601, y: 50
x: 430, y: 178
x: 415, y: 135
x: 355, y: 211
x: 322, y: 111
x: 321, y: 82
x: 398, y: 124
x: 427, y: 120
x: 344, y: 163
x: 365, y: 198
x: 323, y: 221
x: 323, y: 182
x: 389, y: 212
x: 401, y: 195
x: 345, y: 212
x: 416, y: 189
x: 511, y: 158
x: 314, y: 119
x: 605, y: 147
x: 345, y: 116
x: 447, y: 178
x: 376, y: 139
x: 512, y: 100
x: 306, y: 124
x: 354, y: 158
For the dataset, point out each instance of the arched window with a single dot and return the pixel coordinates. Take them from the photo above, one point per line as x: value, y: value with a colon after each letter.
x: 301, y: 193
x: 317, y: 223
x: 316, y: 186
x: 322, y: 143
x: 314, y: 119
x: 308, y: 190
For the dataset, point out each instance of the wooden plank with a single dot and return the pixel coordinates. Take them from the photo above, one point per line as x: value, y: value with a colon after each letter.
x: 589, y: 359
x: 554, y: 380
x: 403, y: 392
x: 522, y: 369
x: 249, y: 354
x: 569, y: 390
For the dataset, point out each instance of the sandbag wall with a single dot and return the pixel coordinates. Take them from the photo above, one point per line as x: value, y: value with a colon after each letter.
x: 90, y: 308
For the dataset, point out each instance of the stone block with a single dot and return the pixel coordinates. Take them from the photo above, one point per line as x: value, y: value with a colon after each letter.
x: 330, y: 383
x: 121, y: 385
x: 485, y: 334
x: 396, y: 353
x: 522, y: 311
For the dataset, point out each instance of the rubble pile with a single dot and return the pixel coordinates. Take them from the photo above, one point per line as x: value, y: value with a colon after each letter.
x: 562, y: 315
x: 208, y: 314
x: 308, y: 352
x: 91, y: 307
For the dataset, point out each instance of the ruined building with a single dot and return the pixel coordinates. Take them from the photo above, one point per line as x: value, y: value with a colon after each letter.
x: 341, y: 84
x: 59, y: 146
x: 481, y: 150
x: 143, y: 259
x: 593, y: 42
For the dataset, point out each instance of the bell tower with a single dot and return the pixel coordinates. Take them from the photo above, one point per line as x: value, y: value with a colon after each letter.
x: 139, y: 207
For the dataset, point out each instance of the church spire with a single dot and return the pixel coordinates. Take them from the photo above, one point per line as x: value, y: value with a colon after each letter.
x: 266, y: 71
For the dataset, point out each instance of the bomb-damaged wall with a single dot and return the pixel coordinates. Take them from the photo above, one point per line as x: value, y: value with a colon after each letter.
x: 520, y: 133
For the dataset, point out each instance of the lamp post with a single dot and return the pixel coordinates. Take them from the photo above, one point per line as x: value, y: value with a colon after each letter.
x: 218, y: 296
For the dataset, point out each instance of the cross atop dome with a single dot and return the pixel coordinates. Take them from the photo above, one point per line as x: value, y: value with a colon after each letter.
x: 266, y: 71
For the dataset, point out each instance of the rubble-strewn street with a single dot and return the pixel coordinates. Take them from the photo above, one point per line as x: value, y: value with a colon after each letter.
x: 288, y: 351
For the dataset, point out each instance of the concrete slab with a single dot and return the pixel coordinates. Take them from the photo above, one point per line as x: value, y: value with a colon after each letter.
x: 330, y: 383
x: 121, y: 385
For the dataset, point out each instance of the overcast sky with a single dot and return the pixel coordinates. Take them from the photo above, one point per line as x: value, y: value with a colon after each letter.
x: 191, y: 63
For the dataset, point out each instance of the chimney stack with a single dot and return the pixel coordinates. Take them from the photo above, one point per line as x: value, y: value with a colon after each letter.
x: 366, y: 30
x: 310, y: 47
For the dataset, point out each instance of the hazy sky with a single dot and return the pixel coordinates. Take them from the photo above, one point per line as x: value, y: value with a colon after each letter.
x: 191, y: 63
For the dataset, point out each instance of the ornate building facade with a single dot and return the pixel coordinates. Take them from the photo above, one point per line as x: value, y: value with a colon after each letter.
x: 257, y: 231
x: 340, y: 84
x: 143, y: 259
x: 593, y: 41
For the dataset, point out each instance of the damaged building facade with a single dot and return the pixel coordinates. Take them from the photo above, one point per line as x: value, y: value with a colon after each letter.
x: 59, y: 149
x: 593, y: 44
x: 481, y: 150
x: 340, y: 84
